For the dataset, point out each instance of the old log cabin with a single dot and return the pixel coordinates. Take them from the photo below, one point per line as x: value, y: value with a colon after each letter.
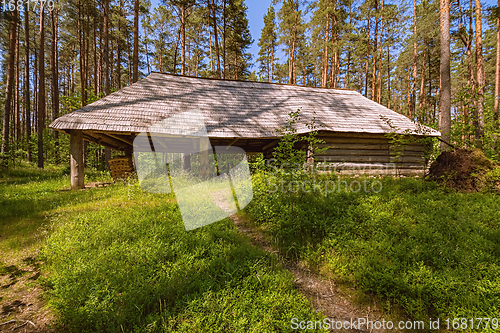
x: 249, y: 115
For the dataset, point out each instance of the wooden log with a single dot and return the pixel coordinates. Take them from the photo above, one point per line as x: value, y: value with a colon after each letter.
x: 367, y: 152
x: 335, y: 140
x: 356, y: 146
x: 373, y: 158
x: 382, y: 172
x: 351, y: 134
x: 76, y: 160
x: 331, y: 166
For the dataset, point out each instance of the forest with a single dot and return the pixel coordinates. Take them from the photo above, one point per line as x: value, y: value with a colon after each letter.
x: 113, y: 257
x: 58, y: 56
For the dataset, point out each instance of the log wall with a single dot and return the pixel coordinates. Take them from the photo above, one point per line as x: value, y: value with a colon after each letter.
x: 362, y: 153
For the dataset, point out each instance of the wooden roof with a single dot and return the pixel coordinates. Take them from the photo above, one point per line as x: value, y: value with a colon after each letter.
x: 234, y: 109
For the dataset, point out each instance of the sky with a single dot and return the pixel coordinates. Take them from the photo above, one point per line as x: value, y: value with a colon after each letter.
x: 256, y: 11
x: 258, y: 8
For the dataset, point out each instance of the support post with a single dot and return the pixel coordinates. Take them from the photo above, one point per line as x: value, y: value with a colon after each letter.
x: 76, y: 160
x: 204, y: 158
x: 186, y: 161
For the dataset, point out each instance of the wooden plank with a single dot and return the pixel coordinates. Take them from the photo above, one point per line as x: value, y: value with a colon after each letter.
x: 354, y: 140
x: 120, y: 138
x: 350, y: 134
x: 76, y: 160
x: 361, y: 146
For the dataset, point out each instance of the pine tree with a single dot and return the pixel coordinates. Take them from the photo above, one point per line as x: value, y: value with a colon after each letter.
x: 9, y: 90
x: 268, y: 43
x: 290, y: 27
x: 445, y: 95
x: 238, y: 40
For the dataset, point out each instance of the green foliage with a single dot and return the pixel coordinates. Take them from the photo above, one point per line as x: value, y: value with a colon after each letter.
x: 118, y: 259
x: 290, y: 154
x: 268, y: 44
x: 431, y: 252
x: 399, y: 140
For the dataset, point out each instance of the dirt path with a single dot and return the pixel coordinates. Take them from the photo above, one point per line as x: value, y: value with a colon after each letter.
x: 323, y: 294
x: 22, y: 307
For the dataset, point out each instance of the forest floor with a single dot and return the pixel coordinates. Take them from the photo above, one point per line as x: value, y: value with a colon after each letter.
x: 325, y: 296
x: 115, y: 258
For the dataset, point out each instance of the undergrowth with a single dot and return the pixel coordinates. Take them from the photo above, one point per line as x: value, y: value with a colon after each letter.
x: 429, y: 251
x: 117, y: 259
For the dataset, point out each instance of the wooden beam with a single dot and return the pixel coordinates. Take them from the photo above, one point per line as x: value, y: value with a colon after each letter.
x: 107, y: 140
x: 99, y: 141
x: 76, y: 160
x: 121, y: 138
x: 269, y: 145
x: 232, y: 143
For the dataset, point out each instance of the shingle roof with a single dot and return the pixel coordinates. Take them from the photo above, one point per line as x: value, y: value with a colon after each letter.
x: 234, y: 109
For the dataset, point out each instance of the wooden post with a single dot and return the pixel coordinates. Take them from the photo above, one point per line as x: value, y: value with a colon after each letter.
x: 76, y: 160
x: 204, y: 158
x: 186, y: 161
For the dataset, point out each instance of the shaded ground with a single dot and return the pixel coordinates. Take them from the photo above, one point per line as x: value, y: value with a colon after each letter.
x: 462, y: 170
x: 22, y: 308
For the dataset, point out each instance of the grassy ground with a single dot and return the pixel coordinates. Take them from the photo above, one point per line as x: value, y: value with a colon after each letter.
x: 426, y: 251
x: 117, y: 259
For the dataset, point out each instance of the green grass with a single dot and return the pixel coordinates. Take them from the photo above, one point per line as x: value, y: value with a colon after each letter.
x: 428, y: 251
x: 117, y: 259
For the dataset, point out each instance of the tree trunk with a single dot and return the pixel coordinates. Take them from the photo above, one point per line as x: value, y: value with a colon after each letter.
x: 445, y: 93
x: 375, y: 49
x: 146, y: 45
x: 422, y: 86
x: 291, y: 54
x: 81, y: 55
x: 414, y: 80
x: 367, y: 56
x: 216, y: 40
x: 55, y: 80
x: 179, y: 31
x: 107, y: 89
x: 224, y: 23
x: 324, y: 77
x: 27, y: 81
x: 9, y: 89
x: 96, y: 66
x: 480, y: 77
x: 183, y: 28
x: 119, y: 49
x: 379, y: 88
x: 497, y: 67
x: 17, y: 122
x: 210, y: 45
x: 388, y: 77
x: 106, y: 48
x: 136, y: 42
x: 41, y: 91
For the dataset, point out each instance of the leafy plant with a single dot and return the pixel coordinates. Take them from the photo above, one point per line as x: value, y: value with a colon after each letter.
x: 293, y: 149
x: 400, y: 140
